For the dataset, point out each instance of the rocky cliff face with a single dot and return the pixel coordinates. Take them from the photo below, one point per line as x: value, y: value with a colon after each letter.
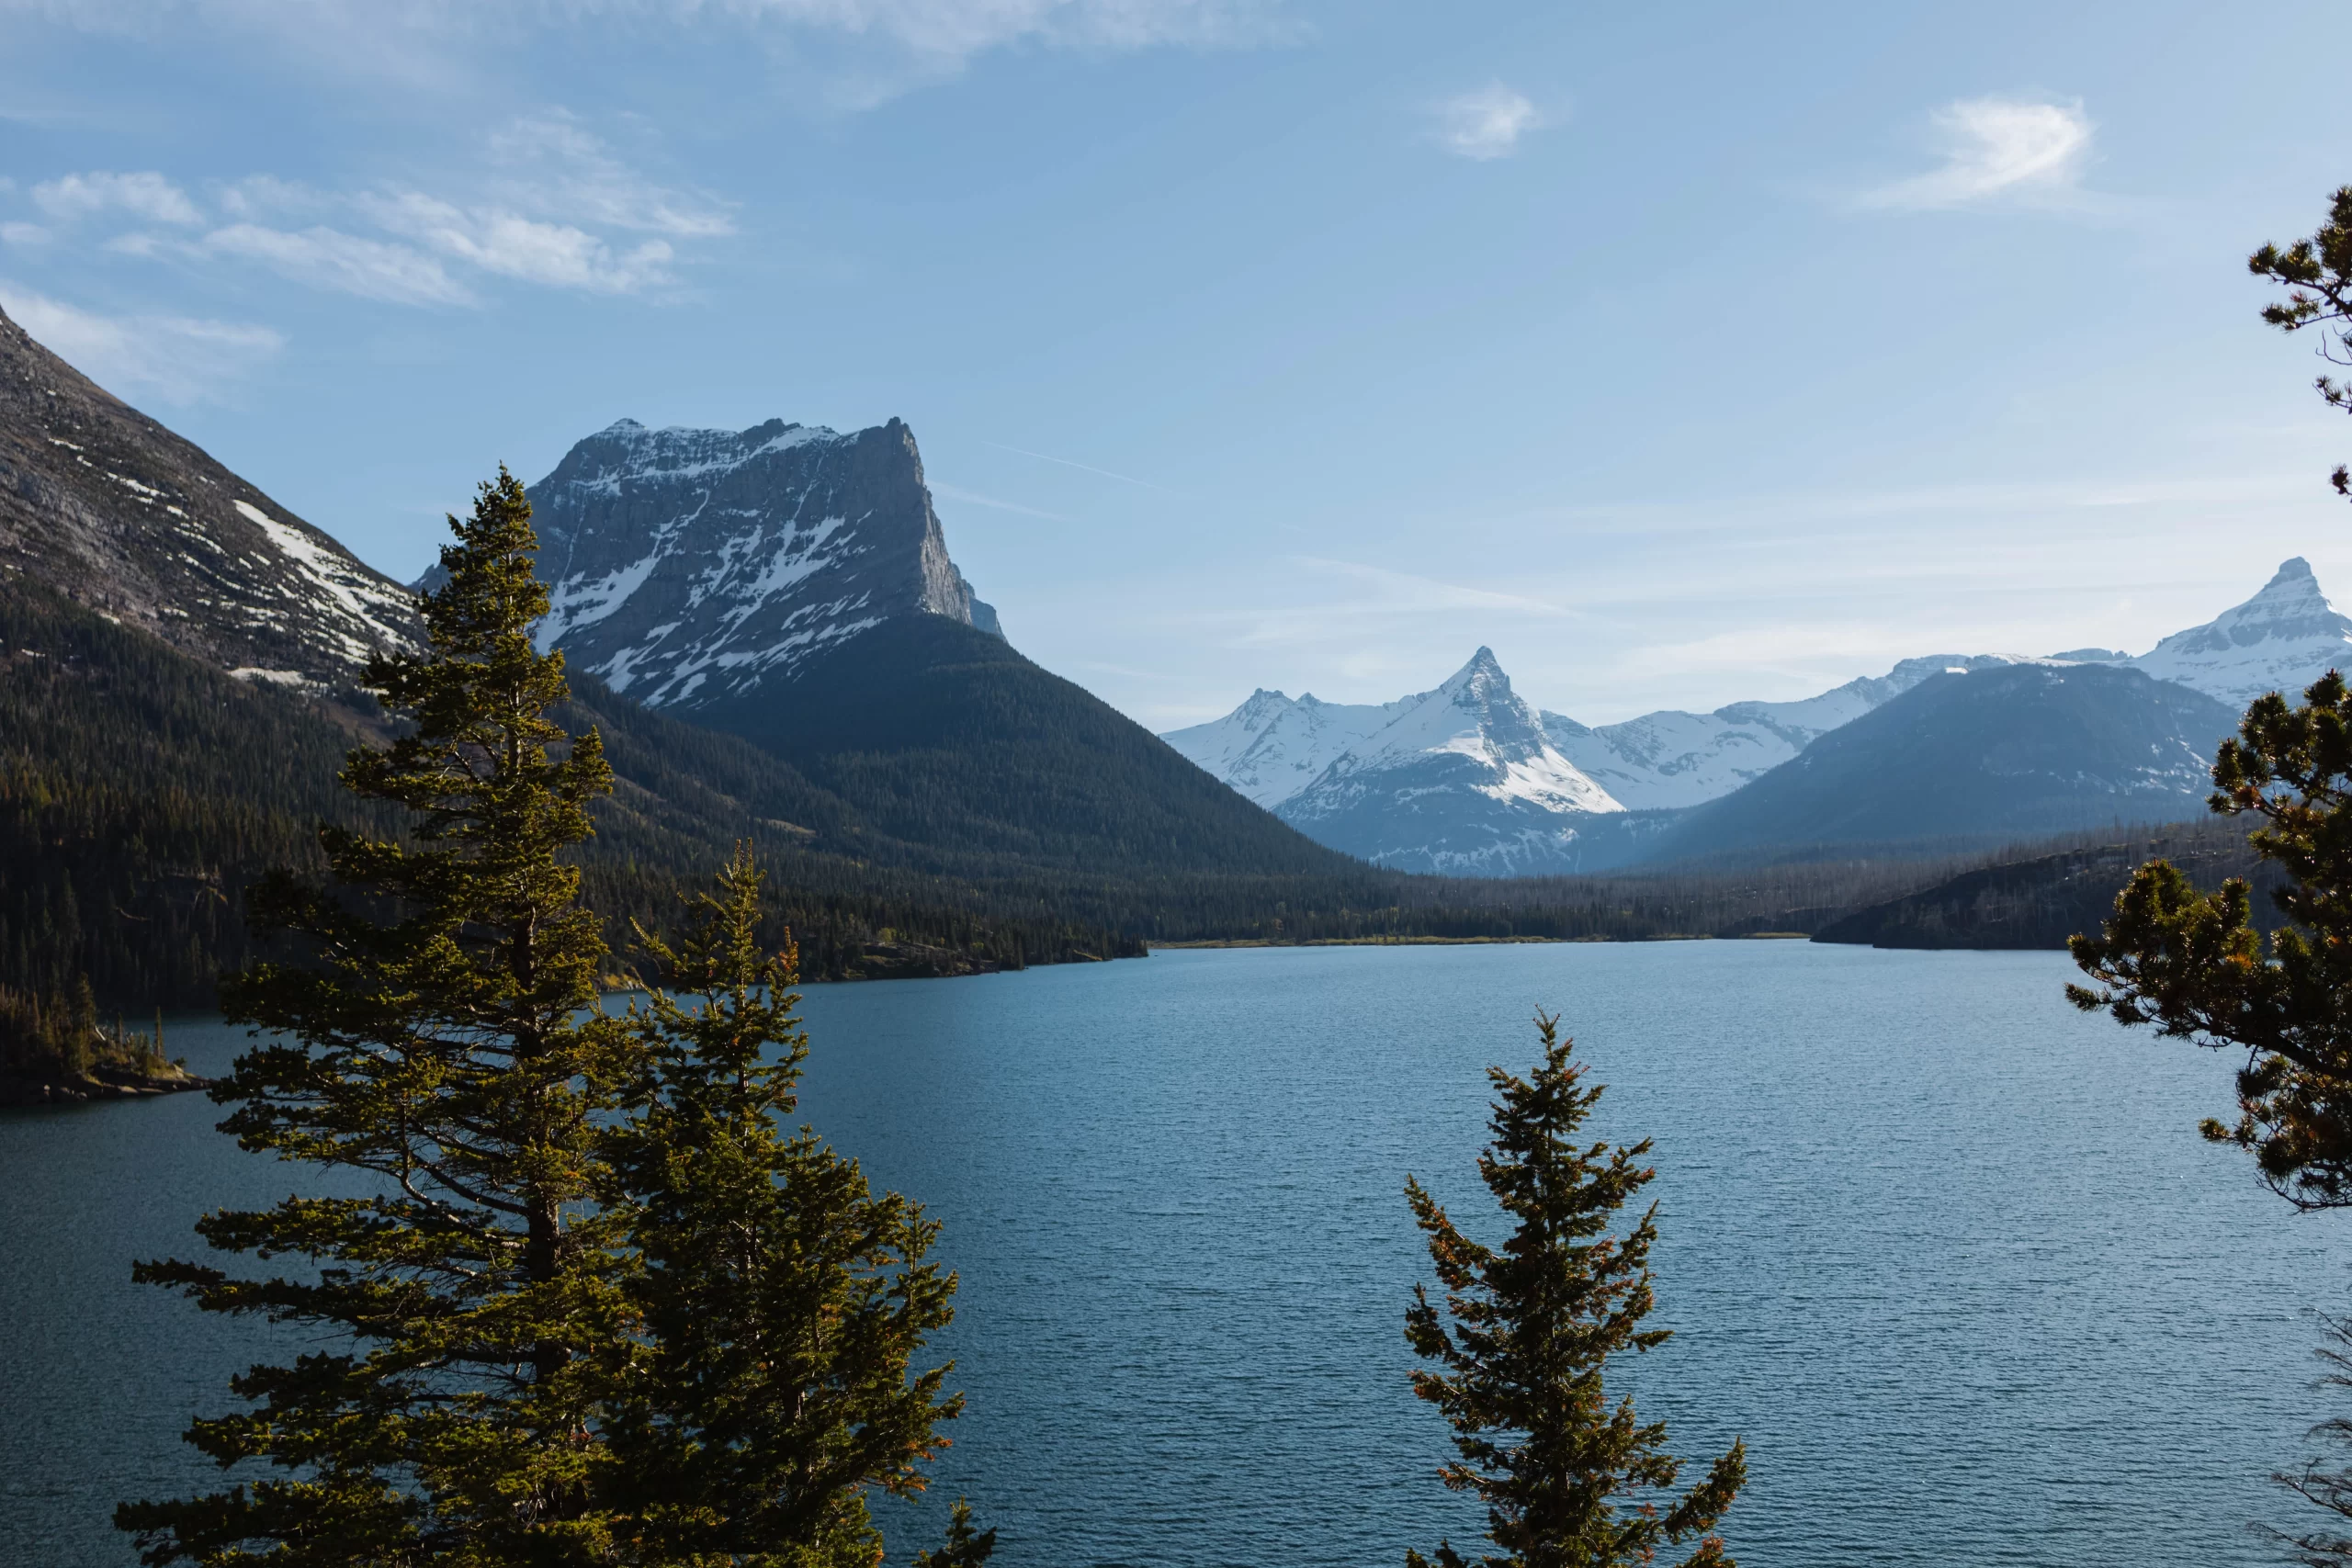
x: 691, y: 567
x: 103, y: 506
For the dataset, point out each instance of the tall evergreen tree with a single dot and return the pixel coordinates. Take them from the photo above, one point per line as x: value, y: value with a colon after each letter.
x: 434, y: 1042
x: 1569, y: 1479
x: 782, y: 1304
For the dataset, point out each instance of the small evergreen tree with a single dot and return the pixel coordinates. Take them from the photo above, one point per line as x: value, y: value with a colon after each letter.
x: 435, y: 1043
x: 781, y: 1303
x: 1568, y: 1479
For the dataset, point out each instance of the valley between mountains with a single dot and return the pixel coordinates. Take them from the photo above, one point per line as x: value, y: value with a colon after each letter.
x: 768, y: 629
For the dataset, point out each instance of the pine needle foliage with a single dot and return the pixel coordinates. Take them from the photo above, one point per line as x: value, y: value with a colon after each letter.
x: 782, y: 1304
x: 436, y: 1044
x: 1569, y: 1479
x: 2192, y: 965
x: 2317, y: 274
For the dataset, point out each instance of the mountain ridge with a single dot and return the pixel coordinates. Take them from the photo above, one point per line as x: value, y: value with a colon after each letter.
x: 104, y: 505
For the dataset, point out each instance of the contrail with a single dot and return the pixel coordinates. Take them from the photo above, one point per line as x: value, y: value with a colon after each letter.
x: 1088, y: 467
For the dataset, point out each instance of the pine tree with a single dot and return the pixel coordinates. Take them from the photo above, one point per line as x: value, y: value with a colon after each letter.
x: 434, y: 1041
x: 1569, y: 1479
x: 2191, y: 964
x: 782, y: 1305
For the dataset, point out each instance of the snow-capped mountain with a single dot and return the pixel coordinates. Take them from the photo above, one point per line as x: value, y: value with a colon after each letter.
x: 1393, y: 782
x: 2282, y: 639
x: 688, y: 566
x: 103, y: 506
x: 1273, y: 746
x: 1459, y: 780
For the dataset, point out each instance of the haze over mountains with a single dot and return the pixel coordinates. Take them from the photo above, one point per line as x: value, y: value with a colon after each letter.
x: 1440, y: 781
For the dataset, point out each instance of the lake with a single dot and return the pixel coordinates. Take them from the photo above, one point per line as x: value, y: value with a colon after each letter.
x: 1947, y: 1255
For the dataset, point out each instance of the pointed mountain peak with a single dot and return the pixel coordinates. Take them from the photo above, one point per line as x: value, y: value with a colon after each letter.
x: 2293, y: 580
x: 1263, y: 705
x: 1483, y: 677
x: 2280, y: 640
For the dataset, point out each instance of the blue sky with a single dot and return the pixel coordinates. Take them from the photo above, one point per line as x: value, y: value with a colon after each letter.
x: 1684, y: 354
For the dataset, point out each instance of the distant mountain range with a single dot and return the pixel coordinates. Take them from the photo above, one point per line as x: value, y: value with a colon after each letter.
x: 1466, y: 779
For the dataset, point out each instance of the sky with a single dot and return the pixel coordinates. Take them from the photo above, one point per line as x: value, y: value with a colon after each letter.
x: 1682, y: 354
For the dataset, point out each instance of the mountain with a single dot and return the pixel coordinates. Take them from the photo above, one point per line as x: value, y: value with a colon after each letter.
x: 2282, y: 639
x: 1998, y: 753
x: 1459, y: 780
x: 134, y: 817
x: 1272, y: 746
x: 792, y: 586
x: 103, y: 505
x: 177, y: 659
x: 1301, y: 758
x: 689, y: 567
x: 1671, y: 759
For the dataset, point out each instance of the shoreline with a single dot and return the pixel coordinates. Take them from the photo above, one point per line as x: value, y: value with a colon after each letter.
x: 1469, y: 941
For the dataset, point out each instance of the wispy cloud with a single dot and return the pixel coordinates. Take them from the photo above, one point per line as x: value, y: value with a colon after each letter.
x: 559, y: 255
x: 330, y: 259
x: 1486, y: 123
x: 530, y: 214
x: 891, y: 44
x: 24, y: 234
x: 178, y: 358
x: 1999, y: 149
x: 549, y: 165
x: 147, y: 195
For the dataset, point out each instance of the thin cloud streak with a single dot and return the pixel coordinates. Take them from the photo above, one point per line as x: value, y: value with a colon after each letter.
x: 147, y: 195
x: 973, y: 498
x: 1088, y: 467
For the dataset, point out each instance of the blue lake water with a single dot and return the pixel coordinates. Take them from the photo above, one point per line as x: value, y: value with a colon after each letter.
x: 1947, y: 1255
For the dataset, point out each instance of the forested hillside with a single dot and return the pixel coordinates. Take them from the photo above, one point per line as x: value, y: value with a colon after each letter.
x: 141, y: 792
